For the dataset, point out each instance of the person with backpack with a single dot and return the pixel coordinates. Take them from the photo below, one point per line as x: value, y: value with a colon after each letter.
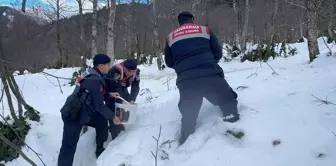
x: 193, y: 52
x: 120, y: 77
x: 85, y: 106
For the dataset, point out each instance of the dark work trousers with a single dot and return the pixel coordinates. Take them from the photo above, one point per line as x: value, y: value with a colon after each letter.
x: 113, y: 128
x: 71, y: 133
x: 192, y: 91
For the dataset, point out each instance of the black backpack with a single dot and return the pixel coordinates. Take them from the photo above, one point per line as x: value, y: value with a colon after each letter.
x: 73, y: 105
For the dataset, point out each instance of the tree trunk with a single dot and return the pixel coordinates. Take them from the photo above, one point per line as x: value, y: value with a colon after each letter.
x: 8, y: 95
x: 110, y: 30
x: 330, y: 21
x: 271, y: 28
x: 23, y: 7
x: 244, y: 34
x: 312, y: 12
x: 81, y: 46
x: 156, y: 36
x: 173, y: 13
x: 138, y: 45
x: 237, y: 10
x: 94, y: 28
x: 58, y: 36
x: 16, y: 92
x: 301, y: 23
x: 3, y: 74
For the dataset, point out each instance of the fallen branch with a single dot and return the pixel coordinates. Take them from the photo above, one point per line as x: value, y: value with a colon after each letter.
x: 17, y: 149
x: 330, y: 52
x: 241, y: 87
x: 167, y: 82
x: 167, y: 142
x: 274, y: 72
x: 334, y: 133
x: 157, y: 146
x: 59, y: 84
x: 2, y: 93
x: 324, y: 101
x: 17, y: 135
x: 255, y: 73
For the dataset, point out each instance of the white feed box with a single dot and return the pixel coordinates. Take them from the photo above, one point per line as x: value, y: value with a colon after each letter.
x: 126, y: 112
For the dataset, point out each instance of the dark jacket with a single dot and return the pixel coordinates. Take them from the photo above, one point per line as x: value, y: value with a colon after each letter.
x: 95, y: 85
x: 193, y: 51
x: 117, y: 82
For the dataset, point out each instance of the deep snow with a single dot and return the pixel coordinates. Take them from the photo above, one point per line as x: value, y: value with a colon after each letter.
x: 273, y: 107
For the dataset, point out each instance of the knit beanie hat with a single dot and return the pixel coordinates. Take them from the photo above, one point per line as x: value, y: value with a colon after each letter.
x: 130, y: 64
x: 101, y: 59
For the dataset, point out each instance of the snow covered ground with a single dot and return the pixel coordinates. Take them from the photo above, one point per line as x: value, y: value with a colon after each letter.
x: 273, y: 107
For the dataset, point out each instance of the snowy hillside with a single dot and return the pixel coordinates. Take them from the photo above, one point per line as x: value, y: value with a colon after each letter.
x: 284, y: 124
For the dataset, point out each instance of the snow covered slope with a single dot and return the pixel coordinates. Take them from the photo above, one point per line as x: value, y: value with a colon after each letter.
x: 273, y: 107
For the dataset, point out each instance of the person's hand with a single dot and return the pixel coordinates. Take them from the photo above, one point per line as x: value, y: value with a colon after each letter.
x: 116, y: 120
x: 114, y: 95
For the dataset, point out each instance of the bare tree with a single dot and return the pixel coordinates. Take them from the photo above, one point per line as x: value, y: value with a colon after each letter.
x: 312, y: 7
x: 245, y: 30
x: 58, y: 6
x: 10, y: 85
x: 331, y: 13
x: 173, y: 14
x: 156, y: 35
x: 81, y: 53
x: 23, y: 7
x: 237, y: 7
x: 110, y: 29
x: 94, y: 28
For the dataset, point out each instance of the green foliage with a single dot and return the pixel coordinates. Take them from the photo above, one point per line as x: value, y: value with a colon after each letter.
x: 142, y: 59
x: 13, y: 133
x: 236, y: 134
x: 320, y: 155
x: 16, y: 132
x: 276, y: 142
x: 74, y: 78
x: 31, y: 113
x: 264, y: 52
x: 330, y: 40
x: 283, y: 50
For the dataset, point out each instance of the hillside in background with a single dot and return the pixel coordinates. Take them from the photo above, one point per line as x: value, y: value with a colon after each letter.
x: 32, y: 44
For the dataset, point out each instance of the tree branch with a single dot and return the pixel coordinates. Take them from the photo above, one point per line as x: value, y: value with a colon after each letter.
x: 157, y: 146
x: 17, y: 149
x: 294, y: 4
x: 274, y: 72
x: 330, y: 52
x: 17, y: 135
x: 324, y: 101
x: 2, y: 94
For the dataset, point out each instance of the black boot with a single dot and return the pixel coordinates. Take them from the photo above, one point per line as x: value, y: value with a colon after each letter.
x: 115, y: 130
x: 99, y: 150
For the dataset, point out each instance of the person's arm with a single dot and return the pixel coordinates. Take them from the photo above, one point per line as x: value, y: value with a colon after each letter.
x: 215, y: 47
x: 135, y: 88
x: 97, y: 97
x: 168, y: 56
x: 114, y: 77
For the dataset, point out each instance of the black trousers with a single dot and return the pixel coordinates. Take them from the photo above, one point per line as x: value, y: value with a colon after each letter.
x: 192, y: 91
x: 71, y: 134
x: 113, y: 128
